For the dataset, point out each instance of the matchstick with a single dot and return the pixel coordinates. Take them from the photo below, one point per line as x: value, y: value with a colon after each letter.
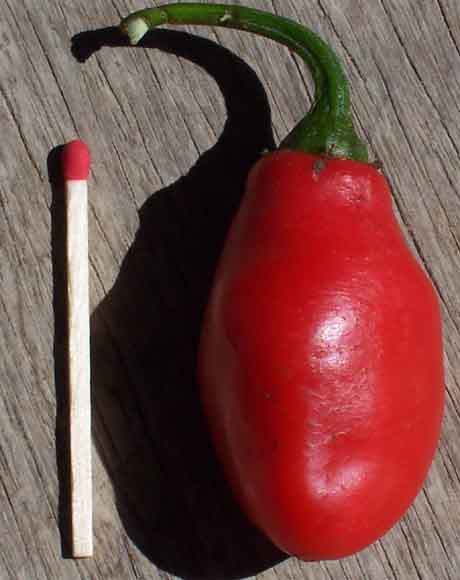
x: 75, y: 166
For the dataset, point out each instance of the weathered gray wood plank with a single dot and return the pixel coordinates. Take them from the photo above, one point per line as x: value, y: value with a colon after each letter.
x: 173, y: 130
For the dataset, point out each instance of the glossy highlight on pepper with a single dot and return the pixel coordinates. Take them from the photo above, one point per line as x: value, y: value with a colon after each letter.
x: 321, y: 358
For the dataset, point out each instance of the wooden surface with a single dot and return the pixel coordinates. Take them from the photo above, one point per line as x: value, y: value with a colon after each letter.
x: 173, y: 129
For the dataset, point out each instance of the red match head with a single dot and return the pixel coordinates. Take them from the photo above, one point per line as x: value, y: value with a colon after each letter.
x: 76, y: 160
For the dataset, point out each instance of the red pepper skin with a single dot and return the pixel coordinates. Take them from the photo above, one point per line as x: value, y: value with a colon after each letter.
x: 320, y: 362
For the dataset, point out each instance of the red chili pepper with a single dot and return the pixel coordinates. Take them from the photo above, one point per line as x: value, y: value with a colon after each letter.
x: 321, y: 352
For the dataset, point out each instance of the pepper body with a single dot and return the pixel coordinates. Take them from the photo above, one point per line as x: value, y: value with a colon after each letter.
x: 321, y: 357
x: 320, y: 362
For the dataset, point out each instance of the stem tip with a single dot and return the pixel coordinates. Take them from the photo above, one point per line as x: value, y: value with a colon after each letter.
x: 135, y: 28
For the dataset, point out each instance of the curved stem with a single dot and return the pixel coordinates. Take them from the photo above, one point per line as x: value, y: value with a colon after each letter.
x: 327, y: 128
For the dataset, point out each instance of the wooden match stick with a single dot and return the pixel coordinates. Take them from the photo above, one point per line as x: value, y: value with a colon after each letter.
x: 75, y: 166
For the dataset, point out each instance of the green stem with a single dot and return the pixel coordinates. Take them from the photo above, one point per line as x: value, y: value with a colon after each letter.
x: 327, y: 128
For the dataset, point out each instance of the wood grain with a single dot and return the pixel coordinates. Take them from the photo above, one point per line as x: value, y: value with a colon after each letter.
x: 173, y: 128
